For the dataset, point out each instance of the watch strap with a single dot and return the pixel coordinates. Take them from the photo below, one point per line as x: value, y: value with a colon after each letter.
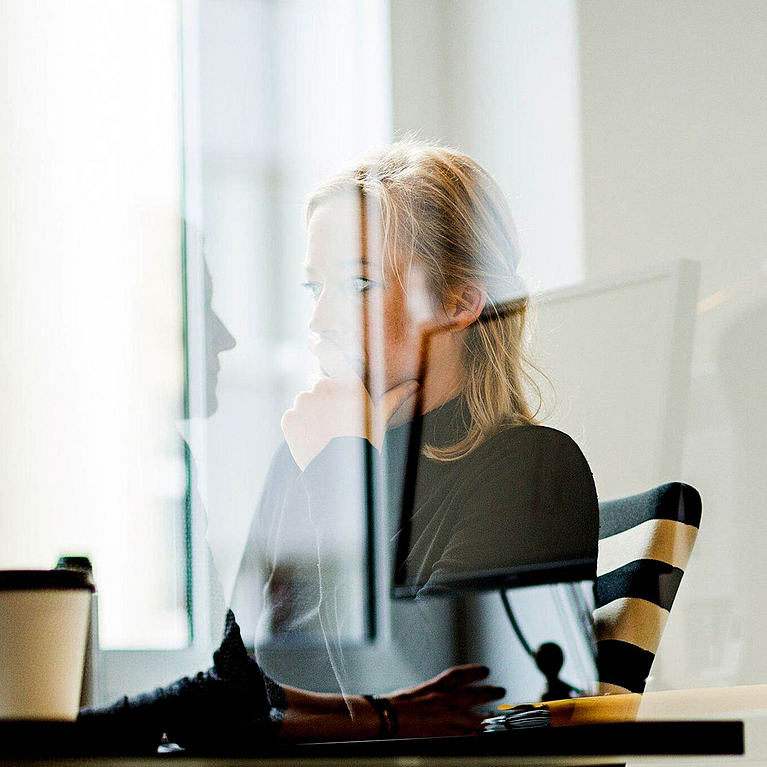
x: 386, y: 713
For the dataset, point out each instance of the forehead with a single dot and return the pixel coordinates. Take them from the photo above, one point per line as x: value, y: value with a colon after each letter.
x: 336, y: 236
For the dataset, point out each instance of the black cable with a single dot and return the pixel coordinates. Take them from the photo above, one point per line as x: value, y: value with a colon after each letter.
x: 585, y: 616
x: 515, y: 625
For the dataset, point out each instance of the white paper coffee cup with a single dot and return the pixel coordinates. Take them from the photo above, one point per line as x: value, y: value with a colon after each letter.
x: 43, y: 629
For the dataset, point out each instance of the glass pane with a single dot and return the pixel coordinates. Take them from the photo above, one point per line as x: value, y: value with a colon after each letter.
x: 91, y: 331
x: 280, y: 107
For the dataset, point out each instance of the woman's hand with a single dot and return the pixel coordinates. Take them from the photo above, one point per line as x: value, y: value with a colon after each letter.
x: 442, y: 706
x: 338, y: 405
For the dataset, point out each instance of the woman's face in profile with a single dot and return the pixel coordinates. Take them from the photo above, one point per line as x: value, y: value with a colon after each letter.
x: 375, y: 318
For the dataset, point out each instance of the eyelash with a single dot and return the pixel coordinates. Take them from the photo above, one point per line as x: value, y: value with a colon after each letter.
x: 315, y: 288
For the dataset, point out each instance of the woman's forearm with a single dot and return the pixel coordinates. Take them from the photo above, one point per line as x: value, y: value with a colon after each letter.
x: 326, y: 716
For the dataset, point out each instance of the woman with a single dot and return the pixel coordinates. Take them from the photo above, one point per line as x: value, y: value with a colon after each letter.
x: 412, y: 266
x: 412, y: 263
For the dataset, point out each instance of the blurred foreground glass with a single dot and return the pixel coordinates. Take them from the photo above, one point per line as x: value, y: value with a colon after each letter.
x: 287, y: 92
x: 91, y: 330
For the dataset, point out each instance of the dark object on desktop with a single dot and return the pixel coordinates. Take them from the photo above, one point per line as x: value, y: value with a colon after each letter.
x: 519, y: 718
x: 54, y: 740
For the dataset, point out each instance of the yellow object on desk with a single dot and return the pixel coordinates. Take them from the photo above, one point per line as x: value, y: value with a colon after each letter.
x: 600, y: 708
x: 705, y: 703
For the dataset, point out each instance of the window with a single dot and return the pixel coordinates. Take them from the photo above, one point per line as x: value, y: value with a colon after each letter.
x: 287, y: 91
x: 90, y: 306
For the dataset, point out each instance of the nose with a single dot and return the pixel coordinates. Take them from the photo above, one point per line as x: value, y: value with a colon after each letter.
x: 327, y: 319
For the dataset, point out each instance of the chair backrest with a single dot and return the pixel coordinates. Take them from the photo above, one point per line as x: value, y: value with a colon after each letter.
x: 645, y: 542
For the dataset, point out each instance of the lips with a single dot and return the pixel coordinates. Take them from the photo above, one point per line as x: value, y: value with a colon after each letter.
x: 353, y: 357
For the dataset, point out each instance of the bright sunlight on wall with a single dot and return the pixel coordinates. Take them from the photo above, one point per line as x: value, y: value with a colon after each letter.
x: 91, y: 344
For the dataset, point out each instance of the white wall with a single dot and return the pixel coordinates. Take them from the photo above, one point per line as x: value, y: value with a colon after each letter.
x: 91, y: 348
x: 498, y: 79
x: 674, y: 118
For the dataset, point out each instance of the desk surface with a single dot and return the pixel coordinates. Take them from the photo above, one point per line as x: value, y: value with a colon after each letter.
x: 36, y: 743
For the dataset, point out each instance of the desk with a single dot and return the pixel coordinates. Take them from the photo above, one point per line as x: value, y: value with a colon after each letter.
x: 581, y: 745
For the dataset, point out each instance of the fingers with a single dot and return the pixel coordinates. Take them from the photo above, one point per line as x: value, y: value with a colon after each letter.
x: 468, y: 697
x: 395, y: 398
x: 444, y: 705
x: 469, y: 721
x: 441, y: 722
x: 314, y: 379
x: 332, y: 359
x: 457, y: 677
x: 463, y: 724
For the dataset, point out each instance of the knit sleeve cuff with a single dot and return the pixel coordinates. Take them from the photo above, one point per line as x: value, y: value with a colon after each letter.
x: 278, y: 701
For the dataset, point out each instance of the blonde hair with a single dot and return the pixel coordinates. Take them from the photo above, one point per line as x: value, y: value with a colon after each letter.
x: 442, y: 210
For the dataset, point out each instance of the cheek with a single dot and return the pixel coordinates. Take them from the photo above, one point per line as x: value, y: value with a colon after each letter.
x: 401, y: 342
x: 396, y: 332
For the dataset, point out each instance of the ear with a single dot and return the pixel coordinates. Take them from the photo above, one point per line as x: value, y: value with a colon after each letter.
x: 465, y: 306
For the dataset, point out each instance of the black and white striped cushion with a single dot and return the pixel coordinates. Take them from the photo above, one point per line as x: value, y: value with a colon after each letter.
x: 645, y: 543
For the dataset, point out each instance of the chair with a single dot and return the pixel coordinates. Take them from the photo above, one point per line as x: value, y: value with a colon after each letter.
x: 645, y: 542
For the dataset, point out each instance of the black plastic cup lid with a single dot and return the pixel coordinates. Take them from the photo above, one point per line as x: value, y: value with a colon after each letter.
x: 32, y: 580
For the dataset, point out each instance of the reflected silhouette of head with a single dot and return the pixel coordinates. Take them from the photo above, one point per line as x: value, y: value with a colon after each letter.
x: 217, y: 339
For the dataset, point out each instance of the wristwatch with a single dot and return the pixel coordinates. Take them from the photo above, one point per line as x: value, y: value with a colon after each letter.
x: 386, y: 713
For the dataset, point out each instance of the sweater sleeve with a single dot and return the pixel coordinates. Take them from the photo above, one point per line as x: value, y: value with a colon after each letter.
x: 232, y: 706
x: 335, y: 480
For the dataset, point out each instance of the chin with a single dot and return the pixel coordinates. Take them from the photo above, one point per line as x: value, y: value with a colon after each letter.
x: 391, y: 383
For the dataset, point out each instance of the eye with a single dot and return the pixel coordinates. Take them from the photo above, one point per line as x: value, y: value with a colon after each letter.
x: 361, y: 284
x: 315, y: 288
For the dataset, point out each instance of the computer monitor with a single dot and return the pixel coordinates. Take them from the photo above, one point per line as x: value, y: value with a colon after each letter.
x: 617, y: 353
